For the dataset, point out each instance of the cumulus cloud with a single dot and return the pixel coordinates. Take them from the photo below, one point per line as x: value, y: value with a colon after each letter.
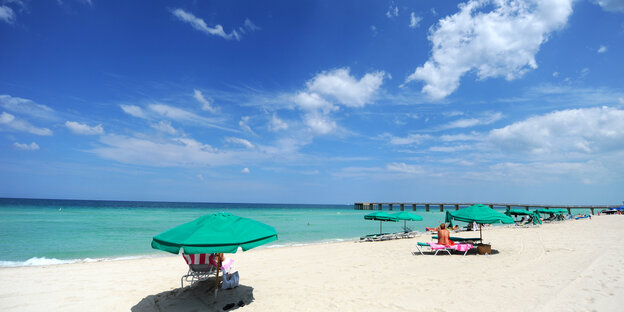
x: 329, y: 89
x: 343, y: 87
x: 245, y: 170
x: 80, y: 128
x: 6, y: 14
x: 414, y: 20
x: 26, y: 107
x: 493, y: 38
x: 276, y: 124
x: 206, y: 103
x: 14, y: 123
x: 26, y: 147
x: 611, y: 5
x: 133, y: 110
x: 200, y: 25
x: 584, y: 131
x: 240, y: 141
x: 602, y: 49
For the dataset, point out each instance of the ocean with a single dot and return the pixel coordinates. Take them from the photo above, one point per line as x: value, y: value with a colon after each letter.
x: 45, y: 232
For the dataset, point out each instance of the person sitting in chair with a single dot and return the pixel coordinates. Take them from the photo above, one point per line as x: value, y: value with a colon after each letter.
x: 443, y: 236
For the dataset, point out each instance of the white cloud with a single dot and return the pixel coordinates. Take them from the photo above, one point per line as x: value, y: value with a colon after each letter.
x: 393, y: 11
x: 501, y: 42
x: 179, y: 114
x: 584, y: 131
x: 276, y: 124
x: 312, y: 102
x: 200, y: 25
x: 244, y: 124
x: 165, y: 153
x: 18, y: 124
x: 249, y: 25
x: 404, y: 168
x: 340, y: 85
x: 461, y: 137
x: 133, y: 110
x: 26, y: 107
x: 200, y: 177
x: 26, y: 147
x: 6, y: 14
x: 414, y: 20
x: 165, y: 126
x: 602, y: 49
x: 85, y: 129
x: 329, y: 88
x: 621, y: 100
x: 245, y: 170
x: 240, y: 141
x: 452, y: 113
x: 555, y: 74
x: 408, y: 140
x: 206, y: 103
x: 612, y: 5
x: 471, y: 122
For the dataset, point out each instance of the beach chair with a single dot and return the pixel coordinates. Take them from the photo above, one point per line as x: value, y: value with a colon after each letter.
x: 462, y: 247
x: 432, y: 247
x: 200, y: 268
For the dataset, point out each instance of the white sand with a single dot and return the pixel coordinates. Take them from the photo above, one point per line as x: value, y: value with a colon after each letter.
x: 571, y: 266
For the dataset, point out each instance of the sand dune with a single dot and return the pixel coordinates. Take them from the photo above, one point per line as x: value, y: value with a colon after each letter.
x: 571, y: 266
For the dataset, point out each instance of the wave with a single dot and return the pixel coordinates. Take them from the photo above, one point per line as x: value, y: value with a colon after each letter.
x: 43, y: 261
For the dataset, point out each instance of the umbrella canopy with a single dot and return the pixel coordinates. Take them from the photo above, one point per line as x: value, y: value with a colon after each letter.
x: 215, y: 233
x: 480, y: 214
x: 380, y: 216
x: 551, y: 211
x: 519, y: 212
x: 407, y: 216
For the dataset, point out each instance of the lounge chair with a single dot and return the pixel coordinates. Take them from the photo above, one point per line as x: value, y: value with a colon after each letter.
x: 199, y: 268
x: 432, y: 247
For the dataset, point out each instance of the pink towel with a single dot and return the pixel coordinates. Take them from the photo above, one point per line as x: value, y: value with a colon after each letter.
x: 436, y: 246
x: 461, y: 247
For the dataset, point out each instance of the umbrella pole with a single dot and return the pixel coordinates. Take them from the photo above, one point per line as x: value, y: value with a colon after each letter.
x: 217, y: 279
x: 480, y: 233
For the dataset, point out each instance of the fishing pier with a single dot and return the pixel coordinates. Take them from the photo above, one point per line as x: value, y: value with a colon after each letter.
x: 456, y: 206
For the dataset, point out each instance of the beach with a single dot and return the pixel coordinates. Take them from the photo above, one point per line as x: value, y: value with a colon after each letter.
x: 575, y: 265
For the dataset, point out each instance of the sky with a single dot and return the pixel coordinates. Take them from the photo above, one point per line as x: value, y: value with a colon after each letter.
x: 330, y: 102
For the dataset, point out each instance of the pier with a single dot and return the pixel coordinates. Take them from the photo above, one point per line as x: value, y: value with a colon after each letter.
x: 456, y: 206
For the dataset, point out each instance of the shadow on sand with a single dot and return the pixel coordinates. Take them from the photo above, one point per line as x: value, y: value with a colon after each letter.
x: 199, y: 297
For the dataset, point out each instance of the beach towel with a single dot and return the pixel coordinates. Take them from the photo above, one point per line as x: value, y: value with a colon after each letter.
x: 461, y: 247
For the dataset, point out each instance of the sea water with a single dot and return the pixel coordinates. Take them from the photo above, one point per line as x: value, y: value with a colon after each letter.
x: 43, y: 232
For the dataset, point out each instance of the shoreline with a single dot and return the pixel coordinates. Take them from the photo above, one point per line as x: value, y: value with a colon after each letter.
x: 575, y: 265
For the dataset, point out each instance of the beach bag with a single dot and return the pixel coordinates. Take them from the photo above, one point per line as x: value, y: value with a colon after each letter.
x: 230, y: 280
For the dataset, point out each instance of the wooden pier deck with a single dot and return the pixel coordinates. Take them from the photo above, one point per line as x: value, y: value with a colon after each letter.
x: 456, y: 206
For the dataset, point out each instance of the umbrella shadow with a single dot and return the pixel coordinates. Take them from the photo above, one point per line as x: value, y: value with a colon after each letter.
x: 198, y: 297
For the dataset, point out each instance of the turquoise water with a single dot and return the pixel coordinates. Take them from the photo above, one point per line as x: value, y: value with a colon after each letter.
x: 35, y: 232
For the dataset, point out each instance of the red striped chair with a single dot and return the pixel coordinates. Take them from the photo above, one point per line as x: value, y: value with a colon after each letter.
x: 200, y: 268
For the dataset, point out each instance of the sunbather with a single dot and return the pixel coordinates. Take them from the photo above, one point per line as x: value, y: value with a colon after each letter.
x: 443, y: 236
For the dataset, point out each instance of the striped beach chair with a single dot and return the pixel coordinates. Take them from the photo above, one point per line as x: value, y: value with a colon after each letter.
x: 200, y: 268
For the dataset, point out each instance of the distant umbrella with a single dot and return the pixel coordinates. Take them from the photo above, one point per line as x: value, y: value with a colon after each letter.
x: 480, y: 214
x: 381, y: 217
x: 407, y: 216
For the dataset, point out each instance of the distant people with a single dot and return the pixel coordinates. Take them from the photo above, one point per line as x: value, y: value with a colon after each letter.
x: 443, y: 235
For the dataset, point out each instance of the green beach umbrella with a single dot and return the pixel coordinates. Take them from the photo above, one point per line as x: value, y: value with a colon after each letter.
x: 380, y: 216
x: 480, y: 214
x: 519, y: 212
x: 407, y: 216
x: 215, y: 233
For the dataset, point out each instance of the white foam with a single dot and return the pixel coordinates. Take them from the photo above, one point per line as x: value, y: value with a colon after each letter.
x: 36, y: 261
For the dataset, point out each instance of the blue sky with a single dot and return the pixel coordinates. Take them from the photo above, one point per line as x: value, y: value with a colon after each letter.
x: 313, y: 101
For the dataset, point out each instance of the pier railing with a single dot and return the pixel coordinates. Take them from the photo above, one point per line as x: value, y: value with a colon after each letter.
x: 456, y: 206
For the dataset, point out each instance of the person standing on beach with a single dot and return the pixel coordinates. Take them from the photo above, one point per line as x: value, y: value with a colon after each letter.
x: 443, y: 235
